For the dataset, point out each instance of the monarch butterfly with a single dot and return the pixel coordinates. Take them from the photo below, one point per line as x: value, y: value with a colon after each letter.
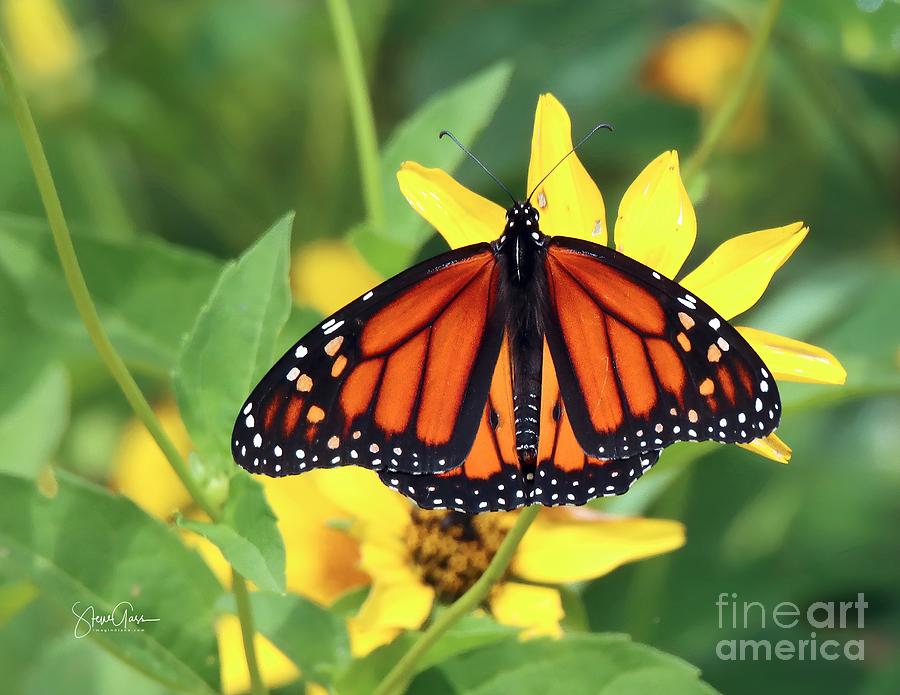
x: 529, y: 370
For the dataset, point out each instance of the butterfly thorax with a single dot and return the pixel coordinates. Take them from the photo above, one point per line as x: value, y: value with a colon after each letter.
x: 520, y: 250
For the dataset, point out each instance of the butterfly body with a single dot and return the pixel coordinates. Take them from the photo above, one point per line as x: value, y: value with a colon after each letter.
x: 520, y: 251
x: 535, y: 369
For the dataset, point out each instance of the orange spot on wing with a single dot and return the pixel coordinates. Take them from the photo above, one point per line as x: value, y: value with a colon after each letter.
x: 726, y: 382
x: 417, y: 306
x: 744, y: 377
x: 707, y: 387
x: 632, y: 367
x: 271, y: 410
x: 291, y: 415
x: 402, y: 376
x: 338, y: 366
x: 315, y: 414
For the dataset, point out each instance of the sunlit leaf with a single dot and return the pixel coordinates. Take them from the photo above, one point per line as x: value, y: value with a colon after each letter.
x: 87, y: 547
x: 233, y: 342
x: 148, y: 292
x: 605, y: 664
x: 247, y: 535
x: 34, y: 421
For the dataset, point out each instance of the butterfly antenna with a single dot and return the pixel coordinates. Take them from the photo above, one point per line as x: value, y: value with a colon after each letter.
x: 479, y: 163
x: 583, y: 140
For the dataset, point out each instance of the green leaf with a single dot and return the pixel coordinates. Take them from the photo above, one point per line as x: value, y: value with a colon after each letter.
x: 470, y: 633
x: 233, y: 342
x: 84, y: 547
x: 147, y: 291
x: 248, y: 534
x: 465, y: 109
x: 604, y: 664
x: 308, y: 634
x: 31, y: 428
x: 81, y: 667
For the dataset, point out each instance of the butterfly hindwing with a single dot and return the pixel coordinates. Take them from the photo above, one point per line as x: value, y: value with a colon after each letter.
x: 642, y: 363
x: 565, y: 474
x: 397, y: 379
x: 490, y: 478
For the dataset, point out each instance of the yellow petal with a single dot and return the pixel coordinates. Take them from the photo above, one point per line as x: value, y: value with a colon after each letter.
x: 363, y: 498
x: 322, y: 562
x: 569, y: 201
x: 461, y: 216
x: 771, y: 447
x: 794, y: 360
x: 275, y: 668
x: 737, y: 273
x: 327, y: 275
x: 389, y: 608
x: 536, y: 609
x: 141, y: 471
x: 656, y: 223
x: 560, y: 549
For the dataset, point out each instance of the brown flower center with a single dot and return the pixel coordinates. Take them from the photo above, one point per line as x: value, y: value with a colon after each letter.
x: 451, y: 550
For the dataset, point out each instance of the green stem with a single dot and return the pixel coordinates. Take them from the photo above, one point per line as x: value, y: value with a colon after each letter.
x: 245, y: 617
x: 85, y: 305
x: 360, y: 109
x: 734, y: 101
x: 404, y: 669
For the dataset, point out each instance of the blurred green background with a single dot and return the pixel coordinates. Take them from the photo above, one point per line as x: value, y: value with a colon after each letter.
x: 179, y: 131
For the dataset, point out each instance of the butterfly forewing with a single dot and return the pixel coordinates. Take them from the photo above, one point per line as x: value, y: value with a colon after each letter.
x: 390, y: 381
x: 642, y: 363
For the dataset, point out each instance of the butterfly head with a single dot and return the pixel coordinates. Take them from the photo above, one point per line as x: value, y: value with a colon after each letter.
x: 522, y: 218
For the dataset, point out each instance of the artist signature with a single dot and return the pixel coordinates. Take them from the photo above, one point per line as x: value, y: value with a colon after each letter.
x: 122, y: 618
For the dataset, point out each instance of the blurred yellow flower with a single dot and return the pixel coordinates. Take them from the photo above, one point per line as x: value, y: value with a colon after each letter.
x: 696, y: 64
x: 321, y: 562
x: 415, y: 557
x: 328, y: 274
x: 41, y: 38
x: 656, y: 225
x: 48, y: 51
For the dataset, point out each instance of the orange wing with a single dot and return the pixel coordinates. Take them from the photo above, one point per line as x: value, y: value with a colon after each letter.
x: 397, y: 380
x: 642, y: 363
x: 565, y: 474
x: 490, y: 478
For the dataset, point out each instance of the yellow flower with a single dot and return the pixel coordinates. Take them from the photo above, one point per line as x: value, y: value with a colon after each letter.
x: 48, y: 52
x: 321, y: 562
x: 656, y: 225
x: 696, y: 64
x: 415, y: 557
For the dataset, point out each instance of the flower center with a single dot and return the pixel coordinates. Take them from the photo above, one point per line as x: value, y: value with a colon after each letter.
x: 451, y: 550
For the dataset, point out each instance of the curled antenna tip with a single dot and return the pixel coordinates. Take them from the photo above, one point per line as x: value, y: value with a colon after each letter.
x: 578, y: 144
